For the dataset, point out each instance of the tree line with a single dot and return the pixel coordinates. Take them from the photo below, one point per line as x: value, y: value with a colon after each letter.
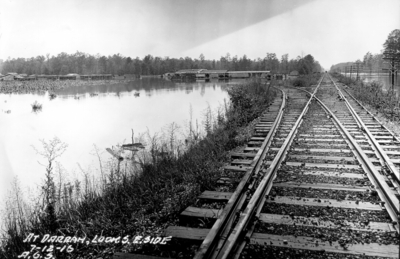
x: 83, y: 63
x: 375, y: 62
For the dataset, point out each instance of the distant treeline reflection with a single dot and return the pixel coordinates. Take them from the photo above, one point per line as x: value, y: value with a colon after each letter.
x: 149, y: 85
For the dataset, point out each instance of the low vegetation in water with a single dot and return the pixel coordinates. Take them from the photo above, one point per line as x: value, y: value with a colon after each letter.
x: 142, y: 198
x: 52, y: 96
x: 36, y: 106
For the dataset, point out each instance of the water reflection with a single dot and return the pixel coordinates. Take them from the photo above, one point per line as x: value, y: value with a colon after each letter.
x: 384, y: 79
x: 150, y: 87
x: 103, y: 115
x: 146, y: 85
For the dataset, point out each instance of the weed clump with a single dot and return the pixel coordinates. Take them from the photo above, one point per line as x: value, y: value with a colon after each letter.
x: 305, y: 80
x: 36, y: 106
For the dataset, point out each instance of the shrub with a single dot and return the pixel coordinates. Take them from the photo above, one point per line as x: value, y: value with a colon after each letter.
x: 36, y: 106
x: 299, y: 82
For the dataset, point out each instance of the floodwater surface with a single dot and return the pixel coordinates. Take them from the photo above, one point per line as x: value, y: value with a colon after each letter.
x: 81, y: 119
x: 384, y: 79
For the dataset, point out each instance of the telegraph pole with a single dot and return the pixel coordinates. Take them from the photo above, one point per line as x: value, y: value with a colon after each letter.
x: 394, y: 60
x: 351, y: 69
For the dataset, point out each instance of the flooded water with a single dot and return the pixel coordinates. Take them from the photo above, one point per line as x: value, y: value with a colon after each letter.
x: 384, y: 79
x: 105, y: 120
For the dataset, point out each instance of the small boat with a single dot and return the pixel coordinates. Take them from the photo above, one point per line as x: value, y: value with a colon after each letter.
x: 137, y: 94
x: 112, y: 152
x: 133, y: 147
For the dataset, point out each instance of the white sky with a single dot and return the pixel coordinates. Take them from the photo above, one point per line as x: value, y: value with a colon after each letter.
x: 332, y: 31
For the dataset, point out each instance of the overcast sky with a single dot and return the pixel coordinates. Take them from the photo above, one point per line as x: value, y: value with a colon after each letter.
x: 332, y: 31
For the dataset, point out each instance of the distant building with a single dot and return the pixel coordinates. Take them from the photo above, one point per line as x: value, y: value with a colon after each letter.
x: 187, y: 73
x: 71, y: 76
x: 293, y: 74
x: 20, y: 78
x: 9, y: 77
x: 250, y: 73
x: 204, y: 74
x: 68, y: 77
x: 279, y: 76
x: 190, y: 71
x: 74, y: 76
x: 96, y: 77
x: 32, y: 77
x: 47, y: 77
x: 101, y: 77
x: 211, y: 74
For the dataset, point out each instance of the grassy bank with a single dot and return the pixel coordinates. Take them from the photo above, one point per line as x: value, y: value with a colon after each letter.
x: 139, y: 200
x: 374, y: 95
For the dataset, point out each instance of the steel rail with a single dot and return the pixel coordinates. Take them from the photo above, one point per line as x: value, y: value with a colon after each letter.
x: 396, y: 171
x: 243, y: 198
x: 384, y: 156
x: 391, y: 202
x: 374, y: 117
x: 223, y: 224
x: 250, y: 229
x: 264, y: 185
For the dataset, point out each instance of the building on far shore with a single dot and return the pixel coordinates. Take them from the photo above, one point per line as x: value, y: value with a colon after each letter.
x: 294, y: 74
x: 205, y: 74
x: 250, y: 73
x: 212, y: 74
x: 9, y: 77
x: 32, y: 77
x: 186, y: 73
x: 96, y: 77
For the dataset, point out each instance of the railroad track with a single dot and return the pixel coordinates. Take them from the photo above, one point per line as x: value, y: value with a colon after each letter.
x: 317, y: 180
x: 388, y: 148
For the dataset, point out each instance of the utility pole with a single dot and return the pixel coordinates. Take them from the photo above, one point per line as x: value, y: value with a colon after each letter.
x: 394, y: 61
x: 351, y: 69
x: 357, y: 77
